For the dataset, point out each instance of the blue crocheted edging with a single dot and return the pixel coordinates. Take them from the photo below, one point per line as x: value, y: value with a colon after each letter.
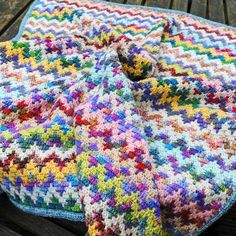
x: 80, y: 216
x: 51, y: 213
x: 227, y: 206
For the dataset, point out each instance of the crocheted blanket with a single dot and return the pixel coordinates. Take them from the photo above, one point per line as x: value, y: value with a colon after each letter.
x: 121, y: 116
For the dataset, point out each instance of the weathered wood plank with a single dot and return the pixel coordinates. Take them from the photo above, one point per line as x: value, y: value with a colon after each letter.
x: 5, y: 231
x: 134, y: 2
x: 226, y: 225
x: 231, y: 12
x: 216, y: 10
x: 199, y: 8
x: 12, y: 31
x: 181, y: 5
x: 38, y: 226
x: 118, y: 1
x: 9, y: 10
x: 13, y: 226
x: 79, y: 228
x: 158, y: 3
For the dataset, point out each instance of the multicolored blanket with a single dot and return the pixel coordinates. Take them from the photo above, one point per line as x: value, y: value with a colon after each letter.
x: 121, y: 116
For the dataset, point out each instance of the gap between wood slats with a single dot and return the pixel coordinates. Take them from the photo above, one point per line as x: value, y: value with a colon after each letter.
x: 12, y: 31
x: 15, y: 17
x: 225, y: 12
x: 8, y: 9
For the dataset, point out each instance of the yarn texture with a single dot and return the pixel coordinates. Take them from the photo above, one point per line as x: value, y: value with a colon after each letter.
x: 123, y: 117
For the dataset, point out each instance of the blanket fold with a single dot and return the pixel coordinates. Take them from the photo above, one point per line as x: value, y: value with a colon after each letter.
x: 122, y: 117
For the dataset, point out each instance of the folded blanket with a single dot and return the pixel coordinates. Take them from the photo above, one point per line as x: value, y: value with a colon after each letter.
x: 121, y: 116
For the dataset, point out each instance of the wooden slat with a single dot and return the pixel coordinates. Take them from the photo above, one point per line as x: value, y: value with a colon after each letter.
x: 9, y: 10
x: 36, y: 225
x: 181, y: 5
x: 79, y: 228
x: 158, y: 3
x: 118, y: 1
x: 216, y: 10
x: 12, y: 31
x: 199, y: 8
x: 231, y: 12
x: 134, y: 2
x: 13, y: 227
x: 5, y: 231
x: 226, y: 226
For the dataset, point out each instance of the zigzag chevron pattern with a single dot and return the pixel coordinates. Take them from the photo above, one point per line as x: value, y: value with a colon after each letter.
x: 123, y: 117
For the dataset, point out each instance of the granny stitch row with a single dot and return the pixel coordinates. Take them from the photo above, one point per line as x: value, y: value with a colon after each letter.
x: 123, y: 116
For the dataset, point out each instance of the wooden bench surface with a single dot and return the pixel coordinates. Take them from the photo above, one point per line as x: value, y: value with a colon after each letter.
x: 14, y: 222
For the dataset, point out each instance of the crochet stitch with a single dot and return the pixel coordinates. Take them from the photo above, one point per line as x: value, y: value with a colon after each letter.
x: 123, y: 117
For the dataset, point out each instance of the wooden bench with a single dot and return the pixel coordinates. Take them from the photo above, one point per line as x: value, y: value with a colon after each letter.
x: 14, y: 222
